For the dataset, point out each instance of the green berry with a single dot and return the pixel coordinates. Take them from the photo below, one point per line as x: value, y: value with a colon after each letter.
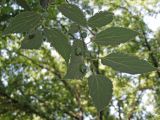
x: 84, y: 35
x: 83, y: 68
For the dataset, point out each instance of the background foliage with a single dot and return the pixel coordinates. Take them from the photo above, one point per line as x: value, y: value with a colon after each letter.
x: 31, y: 86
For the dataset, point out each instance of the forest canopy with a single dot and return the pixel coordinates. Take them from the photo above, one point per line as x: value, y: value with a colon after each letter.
x: 79, y: 60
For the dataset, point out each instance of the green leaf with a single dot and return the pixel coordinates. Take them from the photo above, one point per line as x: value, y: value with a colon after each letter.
x: 24, y: 22
x: 100, y: 19
x: 73, y: 28
x: 100, y: 89
x: 126, y: 63
x: 23, y: 4
x: 60, y: 42
x: 76, y: 65
x: 114, y: 36
x: 32, y: 41
x: 74, y: 13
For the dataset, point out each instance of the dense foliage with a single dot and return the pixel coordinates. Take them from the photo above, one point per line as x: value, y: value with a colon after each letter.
x: 70, y: 59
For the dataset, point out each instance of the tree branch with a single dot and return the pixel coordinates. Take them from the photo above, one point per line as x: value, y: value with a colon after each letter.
x: 152, y: 56
x: 57, y: 73
x: 24, y: 107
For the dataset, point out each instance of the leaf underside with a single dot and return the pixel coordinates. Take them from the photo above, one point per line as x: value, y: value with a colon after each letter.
x: 32, y: 43
x: 126, y: 63
x: 100, y: 89
x: 60, y: 42
x: 76, y: 61
x: 23, y: 22
x: 100, y: 19
x: 74, y: 13
x: 114, y: 36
